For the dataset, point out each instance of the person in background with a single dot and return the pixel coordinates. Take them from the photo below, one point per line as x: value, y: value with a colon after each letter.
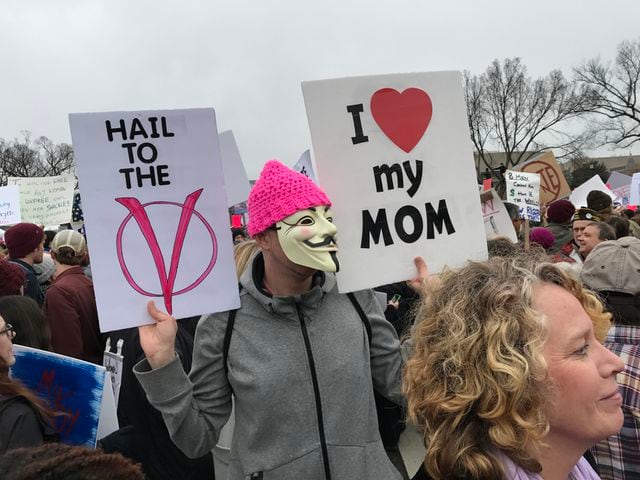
x: 542, y: 237
x: 45, y: 271
x: 238, y: 235
x: 70, y: 305
x: 514, y: 215
x: 579, y: 222
x: 508, y: 377
x: 613, y: 270
x: 12, y: 278
x: 25, y: 242
x: 559, y: 215
x: 24, y: 418
x: 30, y: 324
x: 592, y: 235
x: 620, y: 225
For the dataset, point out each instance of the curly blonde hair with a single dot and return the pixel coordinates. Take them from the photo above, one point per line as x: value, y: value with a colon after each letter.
x: 477, y: 380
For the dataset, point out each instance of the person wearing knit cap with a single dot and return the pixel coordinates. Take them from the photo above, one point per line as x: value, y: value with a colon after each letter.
x: 25, y: 243
x: 599, y: 202
x: 12, y: 279
x: 559, y: 214
x: 543, y: 237
x: 300, y: 358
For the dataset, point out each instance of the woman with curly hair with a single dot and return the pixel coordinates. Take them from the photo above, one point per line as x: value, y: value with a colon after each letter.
x: 508, y: 377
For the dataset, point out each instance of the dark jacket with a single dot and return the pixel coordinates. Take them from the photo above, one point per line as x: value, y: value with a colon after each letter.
x: 20, y: 424
x: 31, y: 286
x: 70, y: 307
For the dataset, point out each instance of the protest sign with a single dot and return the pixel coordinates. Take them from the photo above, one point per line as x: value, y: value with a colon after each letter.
x: 553, y: 184
x: 73, y: 387
x: 579, y: 195
x: 156, y: 213
x: 617, y: 180
x: 497, y: 222
x: 113, y: 362
x: 10, y: 205
x: 394, y: 156
x: 523, y: 190
x: 634, y: 196
x: 236, y: 181
x: 45, y: 200
x: 305, y: 167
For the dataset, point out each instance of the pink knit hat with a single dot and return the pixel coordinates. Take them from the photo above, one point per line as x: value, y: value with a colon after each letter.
x: 278, y: 193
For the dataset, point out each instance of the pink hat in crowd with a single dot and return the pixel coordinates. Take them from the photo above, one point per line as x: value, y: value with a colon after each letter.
x: 278, y: 193
x: 542, y: 237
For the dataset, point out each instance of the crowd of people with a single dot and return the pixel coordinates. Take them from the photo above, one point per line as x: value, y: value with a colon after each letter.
x: 523, y: 366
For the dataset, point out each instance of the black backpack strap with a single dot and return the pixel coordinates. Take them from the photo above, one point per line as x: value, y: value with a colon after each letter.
x: 363, y: 316
x: 228, y: 331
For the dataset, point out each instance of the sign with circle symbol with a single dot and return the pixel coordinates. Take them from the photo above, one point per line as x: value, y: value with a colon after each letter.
x: 553, y: 185
x: 138, y: 212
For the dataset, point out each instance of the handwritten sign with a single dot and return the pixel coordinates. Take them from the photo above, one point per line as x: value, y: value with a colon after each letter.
x: 235, y: 176
x: 305, y: 167
x: 156, y: 213
x: 634, y: 196
x: 497, y: 222
x: 523, y: 190
x: 71, y: 386
x: 553, y: 184
x: 394, y: 156
x: 113, y: 362
x: 45, y: 200
x: 10, y: 205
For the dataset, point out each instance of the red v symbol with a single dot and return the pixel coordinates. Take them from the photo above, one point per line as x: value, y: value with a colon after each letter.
x: 167, y: 281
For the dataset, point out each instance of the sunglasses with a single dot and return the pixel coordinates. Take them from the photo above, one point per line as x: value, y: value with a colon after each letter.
x: 8, y: 329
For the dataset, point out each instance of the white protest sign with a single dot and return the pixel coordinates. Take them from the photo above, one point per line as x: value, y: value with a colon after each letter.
x: 45, y: 200
x: 10, y: 205
x: 617, y: 180
x: 497, y: 222
x: 113, y: 362
x: 634, y: 197
x: 394, y: 156
x: 156, y: 214
x: 108, y: 419
x: 579, y: 195
x: 305, y: 167
x: 523, y: 190
x: 623, y: 194
x: 236, y: 181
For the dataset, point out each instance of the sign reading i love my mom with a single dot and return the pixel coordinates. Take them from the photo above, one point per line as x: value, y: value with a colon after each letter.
x: 394, y: 155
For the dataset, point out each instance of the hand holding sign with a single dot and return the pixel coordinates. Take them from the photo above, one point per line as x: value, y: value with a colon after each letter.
x: 158, y: 340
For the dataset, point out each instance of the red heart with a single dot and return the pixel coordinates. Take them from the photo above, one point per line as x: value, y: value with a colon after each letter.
x: 403, y: 117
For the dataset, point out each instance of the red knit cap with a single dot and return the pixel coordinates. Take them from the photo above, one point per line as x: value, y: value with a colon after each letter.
x: 11, y: 278
x: 278, y: 193
x: 22, y: 239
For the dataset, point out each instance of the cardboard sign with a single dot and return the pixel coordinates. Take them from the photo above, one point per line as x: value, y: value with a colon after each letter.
x: 236, y: 181
x: 634, y: 196
x: 156, y: 214
x: 45, y: 200
x: 71, y: 386
x: 394, y: 156
x: 553, y: 184
x: 523, y: 190
x: 305, y: 167
x: 113, y: 362
x: 497, y: 222
x: 10, y: 205
x: 579, y: 195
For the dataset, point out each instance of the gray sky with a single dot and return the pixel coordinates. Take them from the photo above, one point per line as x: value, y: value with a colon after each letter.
x: 247, y: 58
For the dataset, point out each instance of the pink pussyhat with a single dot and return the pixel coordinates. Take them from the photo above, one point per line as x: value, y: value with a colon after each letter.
x: 278, y: 193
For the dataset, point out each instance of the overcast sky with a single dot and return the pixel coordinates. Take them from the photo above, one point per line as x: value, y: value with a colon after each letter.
x: 247, y: 58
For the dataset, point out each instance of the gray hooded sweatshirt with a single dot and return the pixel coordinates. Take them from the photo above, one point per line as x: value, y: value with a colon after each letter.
x: 302, y: 372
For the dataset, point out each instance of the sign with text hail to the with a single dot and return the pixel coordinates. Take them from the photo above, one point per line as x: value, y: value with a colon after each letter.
x: 394, y: 156
x: 156, y: 213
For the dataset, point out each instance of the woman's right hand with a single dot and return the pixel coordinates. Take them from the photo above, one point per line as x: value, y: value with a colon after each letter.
x: 158, y: 340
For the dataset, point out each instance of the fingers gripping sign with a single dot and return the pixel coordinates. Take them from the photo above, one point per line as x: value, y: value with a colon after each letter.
x: 158, y: 340
x: 422, y: 281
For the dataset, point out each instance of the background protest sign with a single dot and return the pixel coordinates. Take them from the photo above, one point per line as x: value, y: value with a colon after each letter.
x: 497, y: 222
x: 394, y: 156
x: 523, y: 190
x: 156, y: 213
x: 579, y: 195
x: 553, y: 184
x: 620, y: 185
x: 305, y: 166
x: 634, y: 198
x: 10, y: 205
x: 45, y: 200
x: 71, y: 386
x: 236, y: 181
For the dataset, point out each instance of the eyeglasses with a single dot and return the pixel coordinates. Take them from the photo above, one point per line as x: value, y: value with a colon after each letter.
x: 8, y: 329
